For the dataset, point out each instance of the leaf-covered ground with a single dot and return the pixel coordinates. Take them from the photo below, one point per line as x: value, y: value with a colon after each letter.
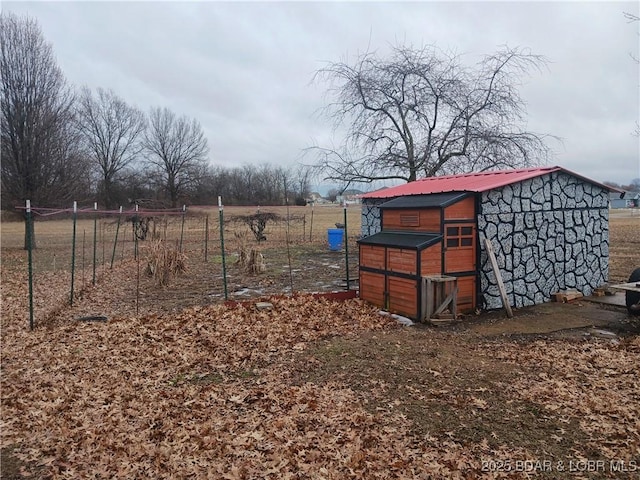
x: 310, y: 389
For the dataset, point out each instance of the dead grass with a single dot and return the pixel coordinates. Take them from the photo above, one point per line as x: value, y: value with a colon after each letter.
x: 624, y: 247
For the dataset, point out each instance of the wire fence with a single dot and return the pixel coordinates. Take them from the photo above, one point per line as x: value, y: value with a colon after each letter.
x: 79, y: 245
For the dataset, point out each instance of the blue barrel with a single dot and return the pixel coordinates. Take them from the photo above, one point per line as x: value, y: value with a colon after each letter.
x: 335, y: 236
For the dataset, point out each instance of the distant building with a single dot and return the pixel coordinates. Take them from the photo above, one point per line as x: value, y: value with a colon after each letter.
x: 351, y: 197
x: 315, y: 197
x: 630, y: 200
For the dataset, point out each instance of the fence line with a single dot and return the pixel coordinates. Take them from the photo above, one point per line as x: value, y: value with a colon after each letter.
x: 191, y: 231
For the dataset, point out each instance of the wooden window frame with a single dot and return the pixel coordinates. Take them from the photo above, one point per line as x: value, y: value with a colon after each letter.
x: 454, y: 237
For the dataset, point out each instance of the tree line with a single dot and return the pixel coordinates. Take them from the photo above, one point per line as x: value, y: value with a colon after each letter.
x: 61, y: 144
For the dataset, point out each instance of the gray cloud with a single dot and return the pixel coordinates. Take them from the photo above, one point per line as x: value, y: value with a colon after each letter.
x: 244, y: 70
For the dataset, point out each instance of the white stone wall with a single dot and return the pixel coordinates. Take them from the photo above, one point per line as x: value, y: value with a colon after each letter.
x: 549, y: 233
x: 371, y: 215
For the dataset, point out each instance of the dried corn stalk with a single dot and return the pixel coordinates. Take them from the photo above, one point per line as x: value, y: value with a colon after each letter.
x: 243, y: 255
x: 256, y: 262
x: 163, y: 262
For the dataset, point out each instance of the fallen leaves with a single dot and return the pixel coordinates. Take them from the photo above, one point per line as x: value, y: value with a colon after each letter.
x: 594, y: 382
x: 211, y: 392
x: 191, y: 395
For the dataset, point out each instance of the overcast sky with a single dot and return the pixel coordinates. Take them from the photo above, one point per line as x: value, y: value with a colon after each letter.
x: 244, y: 70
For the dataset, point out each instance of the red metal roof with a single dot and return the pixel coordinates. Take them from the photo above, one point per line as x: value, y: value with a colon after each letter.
x: 472, y: 182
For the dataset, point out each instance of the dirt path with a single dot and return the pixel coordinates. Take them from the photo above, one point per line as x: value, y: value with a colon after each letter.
x: 578, y: 317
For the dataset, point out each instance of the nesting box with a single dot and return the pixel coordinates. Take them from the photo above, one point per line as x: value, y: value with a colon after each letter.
x: 421, y: 236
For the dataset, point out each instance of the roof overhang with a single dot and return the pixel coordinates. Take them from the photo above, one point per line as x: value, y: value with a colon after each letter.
x: 425, y: 201
x: 402, y: 239
x: 475, y: 182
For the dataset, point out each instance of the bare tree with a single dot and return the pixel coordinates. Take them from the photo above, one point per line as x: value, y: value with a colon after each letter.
x: 40, y: 159
x: 632, y: 18
x: 111, y: 130
x: 303, y: 175
x: 332, y: 195
x: 422, y: 112
x: 177, y: 151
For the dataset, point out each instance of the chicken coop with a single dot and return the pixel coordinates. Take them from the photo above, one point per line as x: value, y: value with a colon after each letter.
x: 422, y: 244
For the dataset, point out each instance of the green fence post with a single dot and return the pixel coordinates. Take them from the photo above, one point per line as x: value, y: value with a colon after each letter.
x: 29, y: 228
x: 95, y: 239
x: 115, y: 242
x: 224, y: 264
x: 73, y: 250
x: 184, y: 211
x: 206, y: 238
x: 135, y: 235
x: 346, y: 244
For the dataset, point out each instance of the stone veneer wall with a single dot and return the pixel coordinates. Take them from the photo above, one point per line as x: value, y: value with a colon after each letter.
x: 370, y: 223
x: 549, y: 233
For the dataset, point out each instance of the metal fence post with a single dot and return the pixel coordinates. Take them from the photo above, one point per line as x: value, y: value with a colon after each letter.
x: 346, y: 244
x: 224, y: 265
x: 184, y: 211
x: 29, y: 228
x: 95, y: 239
x: 73, y: 250
x: 115, y: 242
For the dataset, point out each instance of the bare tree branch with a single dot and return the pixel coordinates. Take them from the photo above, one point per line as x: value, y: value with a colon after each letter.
x: 111, y: 130
x: 423, y: 113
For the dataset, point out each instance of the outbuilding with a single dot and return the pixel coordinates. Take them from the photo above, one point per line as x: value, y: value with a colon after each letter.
x: 548, y: 227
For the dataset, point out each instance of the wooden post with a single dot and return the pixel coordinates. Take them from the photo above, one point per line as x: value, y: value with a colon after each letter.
x: 423, y: 299
x: 496, y: 271
x: 206, y: 238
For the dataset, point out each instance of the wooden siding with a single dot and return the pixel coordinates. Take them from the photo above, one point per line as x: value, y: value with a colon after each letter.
x: 455, y: 254
x: 403, y: 296
x: 372, y: 288
x: 462, y: 210
x: 459, y: 260
x: 372, y: 256
x: 402, y: 260
x: 466, y: 293
x: 431, y: 260
x: 404, y: 219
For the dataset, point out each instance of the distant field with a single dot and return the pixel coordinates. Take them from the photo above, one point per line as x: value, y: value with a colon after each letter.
x: 54, y: 236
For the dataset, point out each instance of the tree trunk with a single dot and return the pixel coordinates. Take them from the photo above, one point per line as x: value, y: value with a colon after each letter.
x: 107, y: 193
x: 173, y: 193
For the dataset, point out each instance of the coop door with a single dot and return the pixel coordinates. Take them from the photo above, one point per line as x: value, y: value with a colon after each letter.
x: 372, y: 288
x: 403, y: 296
x: 460, y: 248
